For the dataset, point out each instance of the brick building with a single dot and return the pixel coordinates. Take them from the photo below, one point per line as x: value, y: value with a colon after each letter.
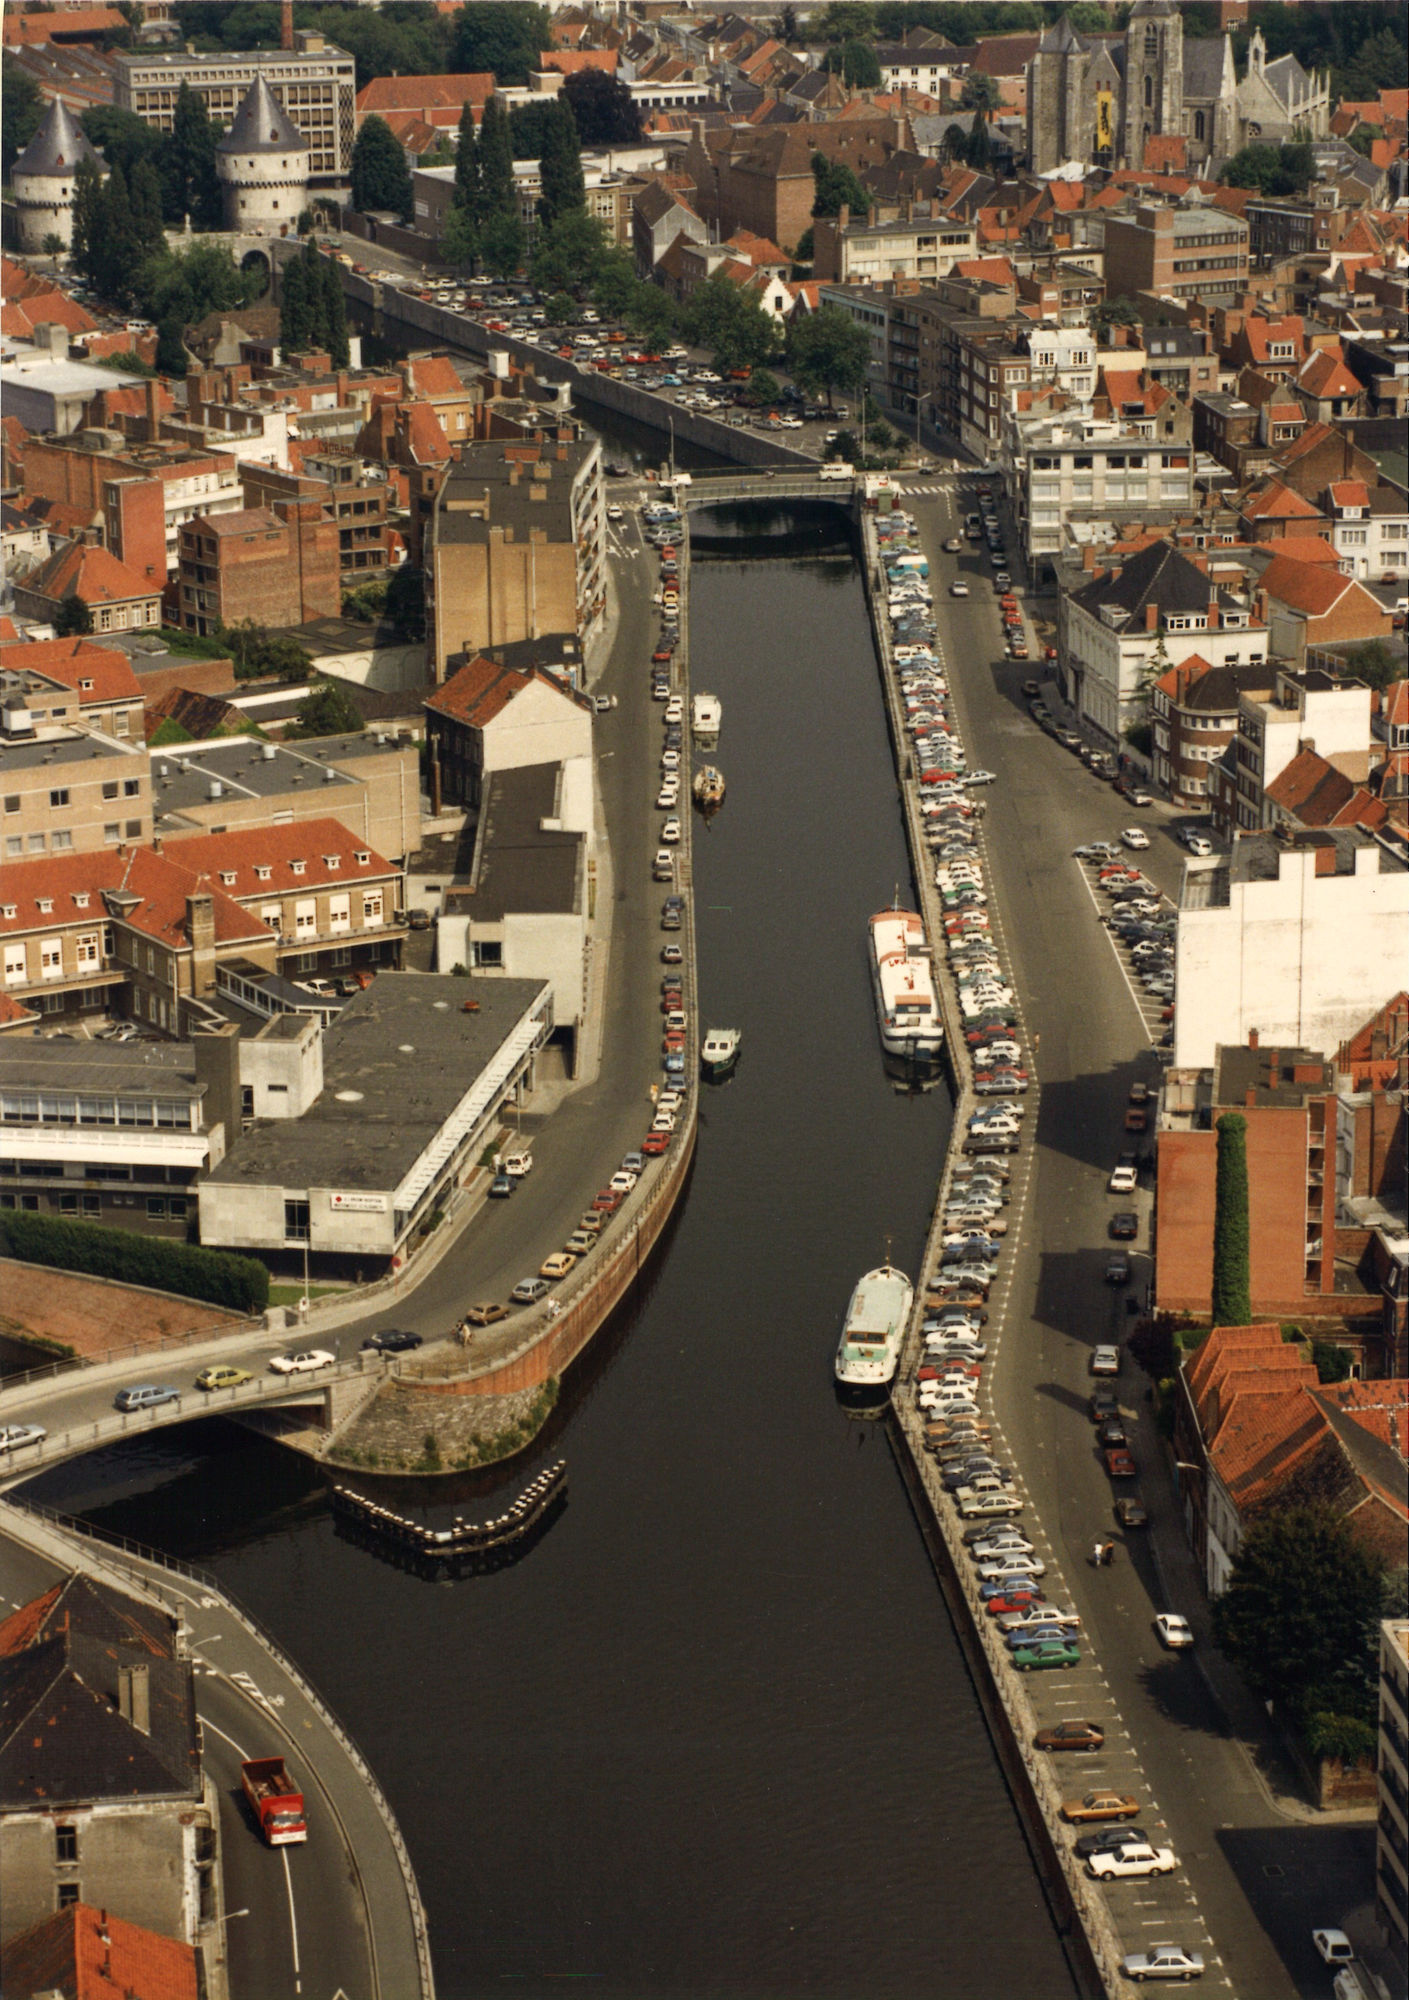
x: 119, y: 599
x: 762, y: 180
x: 1193, y: 720
x: 1176, y: 251
x: 358, y: 497
x: 273, y: 566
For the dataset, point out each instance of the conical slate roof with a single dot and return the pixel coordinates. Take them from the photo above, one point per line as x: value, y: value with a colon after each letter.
x: 57, y: 147
x: 262, y: 125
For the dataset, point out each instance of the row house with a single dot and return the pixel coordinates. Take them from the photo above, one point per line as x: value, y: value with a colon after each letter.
x: 140, y: 931
x: 1193, y: 720
x: 1120, y: 633
x: 1303, y: 708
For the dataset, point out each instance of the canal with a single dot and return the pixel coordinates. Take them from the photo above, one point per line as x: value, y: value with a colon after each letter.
x: 713, y: 1736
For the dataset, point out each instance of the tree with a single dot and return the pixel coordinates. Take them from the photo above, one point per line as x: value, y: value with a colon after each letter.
x: 856, y: 62
x: 1294, y: 1618
x: 459, y: 238
x: 328, y: 710
x: 738, y: 331
x: 505, y: 38
x: 501, y: 243
x: 955, y: 140
x: 764, y: 388
x: 467, y: 191
x: 497, y: 191
x: 980, y: 93
x: 21, y: 111
x: 115, y: 251
x: 123, y: 138
x: 258, y: 655
x: 381, y: 178
x: 1332, y: 1363
x: 528, y: 124
x: 651, y: 314
x: 837, y: 187
x: 828, y: 350
x: 406, y: 602
x: 560, y: 166
x: 569, y: 251
x: 978, y: 152
x: 603, y: 109
x: 334, y: 314
x: 190, y: 183
x: 53, y: 246
x: 1232, y: 1300
x: 614, y: 281
x: 845, y: 21
x: 561, y: 309
x: 145, y: 195
x: 172, y: 358
x: 73, y: 618
x: 87, y: 214
x: 1254, y: 167
x: 1118, y: 311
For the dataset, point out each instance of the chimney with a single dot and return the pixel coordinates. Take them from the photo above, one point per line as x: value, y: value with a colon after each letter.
x: 1252, y: 1038
x: 1152, y: 618
x: 134, y: 1698
x: 150, y: 389
x: 286, y: 25
x: 200, y: 929
x: 1325, y: 860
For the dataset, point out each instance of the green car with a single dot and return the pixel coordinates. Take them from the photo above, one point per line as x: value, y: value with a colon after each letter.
x: 223, y: 1377
x: 1048, y: 1653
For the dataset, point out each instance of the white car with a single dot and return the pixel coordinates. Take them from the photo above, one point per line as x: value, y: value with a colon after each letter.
x: 1162, y: 1961
x: 675, y: 709
x: 958, y: 590
x: 614, y: 513
x: 307, y: 1363
x: 1105, y: 1361
x: 1122, y: 1181
x: 1000, y: 1569
x: 1040, y: 1613
x: 670, y: 760
x: 982, y: 778
x: 1174, y: 1632
x: 14, y: 1437
x: 1334, y: 1946
x: 1134, y: 836
x: 667, y: 797
x: 670, y: 832
x: 1197, y: 843
x: 622, y: 1182
x: 1129, y: 1863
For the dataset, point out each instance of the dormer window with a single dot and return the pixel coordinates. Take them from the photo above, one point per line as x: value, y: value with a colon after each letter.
x: 86, y: 687
x: 332, y: 862
x: 11, y: 911
x: 363, y: 858
x: 46, y: 906
x: 298, y: 867
x: 80, y: 901
x: 228, y: 877
x: 263, y: 872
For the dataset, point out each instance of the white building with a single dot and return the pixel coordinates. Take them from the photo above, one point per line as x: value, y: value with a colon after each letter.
x: 858, y: 252
x: 1291, y: 938
x: 1117, y: 634
x: 42, y: 178
x: 1307, y: 710
x: 1096, y: 468
x: 263, y: 165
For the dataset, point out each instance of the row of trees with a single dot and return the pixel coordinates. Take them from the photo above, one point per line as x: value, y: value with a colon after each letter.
x: 484, y: 225
x: 401, y: 38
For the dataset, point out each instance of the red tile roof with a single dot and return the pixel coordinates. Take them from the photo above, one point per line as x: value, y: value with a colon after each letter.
x: 987, y: 270
x: 83, y: 1953
x: 12, y: 1014
x: 434, y: 375
x: 418, y: 93
x: 1311, y: 588
x: 1278, y: 502
x: 19, y: 318
x: 1325, y: 374
x: 1349, y: 493
x: 102, y: 673
x: 478, y: 692
x: 30, y: 30
x: 425, y: 434
x: 93, y: 574
x: 1307, y: 549
x: 310, y: 854
x: 572, y: 61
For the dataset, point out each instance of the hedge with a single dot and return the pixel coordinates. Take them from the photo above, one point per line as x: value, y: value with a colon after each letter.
x: 217, y: 1276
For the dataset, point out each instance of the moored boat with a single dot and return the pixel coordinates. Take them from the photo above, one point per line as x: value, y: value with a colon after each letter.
x: 706, y: 714
x: 902, y: 976
x: 708, y: 788
x: 719, y: 1052
x: 874, y: 1328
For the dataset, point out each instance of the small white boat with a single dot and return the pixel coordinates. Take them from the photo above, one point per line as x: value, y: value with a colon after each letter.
x: 874, y: 1330
x: 706, y: 714
x: 708, y: 788
x: 719, y: 1052
x: 902, y: 974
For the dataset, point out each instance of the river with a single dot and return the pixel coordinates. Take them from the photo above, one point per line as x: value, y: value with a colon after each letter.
x: 714, y: 1735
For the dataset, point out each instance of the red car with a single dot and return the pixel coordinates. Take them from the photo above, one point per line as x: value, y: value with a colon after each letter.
x: 655, y: 1142
x: 1049, y: 653
x: 1119, y: 1463
x: 1016, y: 1600
x: 608, y: 1201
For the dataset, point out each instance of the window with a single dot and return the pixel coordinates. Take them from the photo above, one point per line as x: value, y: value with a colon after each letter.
x: 339, y: 913
x: 156, y: 1207
x: 295, y: 1221
x: 63, y: 841
x: 151, y: 962
x: 58, y: 798
x: 371, y: 908
x: 92, y: 1205
x: 1149, y: 92
x: 298, y: 867
x: 68, y: 1891
x: 110, y: 789
x: 131, y: 788
x: 51, y: 958
x: 36, y: 843
x: 85, y: 949
x: 263, y: 871
x: 12, y: 802
x: 305, y: 917
x: 111, y: 830
x: 134, y: 829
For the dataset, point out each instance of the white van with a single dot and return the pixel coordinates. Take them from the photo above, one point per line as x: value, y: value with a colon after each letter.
x: 516, y: 1165
x: 836, y: 470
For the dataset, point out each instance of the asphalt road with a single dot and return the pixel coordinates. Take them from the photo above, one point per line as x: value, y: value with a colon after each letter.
x: 1261, y: 1881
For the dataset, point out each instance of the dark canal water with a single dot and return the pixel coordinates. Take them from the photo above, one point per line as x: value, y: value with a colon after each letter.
x: 713, y: 1736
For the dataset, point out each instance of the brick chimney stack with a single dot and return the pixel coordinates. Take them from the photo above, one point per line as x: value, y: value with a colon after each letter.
x: 286, y: 24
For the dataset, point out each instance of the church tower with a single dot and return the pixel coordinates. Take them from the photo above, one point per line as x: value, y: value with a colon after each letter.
x: 1154, y: 76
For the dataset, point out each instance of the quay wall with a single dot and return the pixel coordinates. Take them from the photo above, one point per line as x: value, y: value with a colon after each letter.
x: 1082, y: 1919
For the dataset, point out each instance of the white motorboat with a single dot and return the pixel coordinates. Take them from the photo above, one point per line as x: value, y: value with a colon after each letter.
x: 869, y: 1350
x: 706, y: 714
x: 719, y: 1052
x: 902, y: 974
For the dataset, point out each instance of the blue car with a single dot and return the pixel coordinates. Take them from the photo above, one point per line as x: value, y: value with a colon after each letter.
x: 502, y: 1186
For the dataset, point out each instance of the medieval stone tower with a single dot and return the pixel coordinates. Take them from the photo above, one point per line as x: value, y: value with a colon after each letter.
x: 263, y: 164
x: 1154, y: 75
x: 42, y: 178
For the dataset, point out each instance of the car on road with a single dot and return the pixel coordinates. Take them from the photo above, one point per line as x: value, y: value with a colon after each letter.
x: 953, y: 546
x: 1162, y: 1961
x: 1131, y: 1862
x: 1118, y: 1268
x: 14, y: 1437
x: 528, y: 1291
x: 1093, y: 1806
x: 1123, y: 1180
x: 307, y: 1362
x: 1196, y: 842
x: 1101, y: 1404
x: 1124, y: 1225
x: 981, y: 778
x: 502, y: 1186
x: 1046, y: 1653
x: 1174, y: 1631
x: 1131, y: 1514
x: 1071, y: 1736
x: 393, y: 1340
x: 1334, y: 1946
x: 222, y: 1375
x: 557, y: 1265
x: 958, y: 588
x: 670, y: 832
x: 487, y: 1315
x: 1134, y: 836
x: 615, y: 513
x: 1120, y: 1462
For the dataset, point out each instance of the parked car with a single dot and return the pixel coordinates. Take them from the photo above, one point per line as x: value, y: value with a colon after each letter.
x: 14, y: 1437
x: 1132, y: 1862
x: 1174, y: 1631
x: 1131, y: 1514
x: 1046, y: 1653
x: 1162, y: 1961
x: 528, y: 1291
x: 392, y: 1341
x: 1071, y: 1736
x: 1104, y: 1805
x: 487, y: 1315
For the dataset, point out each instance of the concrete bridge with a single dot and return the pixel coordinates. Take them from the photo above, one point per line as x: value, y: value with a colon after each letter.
x: 718, y: 489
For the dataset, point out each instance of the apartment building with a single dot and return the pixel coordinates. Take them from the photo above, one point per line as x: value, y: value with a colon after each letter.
x: 357, y: 495
x: 516, y: 546
x: 922, y: 242
x: 869, y: 310
x: 140, y: 493
x: 1096, y: 469
x: 141, y: 931
x: 70, y: 791
x: 1304, y: 708
x: 273, y: 566
x: 314, y: 81
x: 1193, y: 720
x: 1176, y: 251
x: 1287, y: 937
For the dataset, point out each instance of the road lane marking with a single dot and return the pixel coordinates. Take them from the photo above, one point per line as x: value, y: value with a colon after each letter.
x: 238, y: 1748
x: 293, y: 1918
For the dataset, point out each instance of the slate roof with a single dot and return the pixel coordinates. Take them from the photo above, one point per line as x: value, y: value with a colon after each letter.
x: 57, y: 147
x: 524, y: 868
x: 63, y: 1739
x: 1160, y: 574
x: 261, y: 125
x: 1203, y: 66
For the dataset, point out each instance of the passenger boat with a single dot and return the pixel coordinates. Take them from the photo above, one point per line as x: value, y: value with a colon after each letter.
x: 719, y: 1052
x: 706, y: 714
x: 902, y: 973
x: 871, y: 1336
x: 708, y: 788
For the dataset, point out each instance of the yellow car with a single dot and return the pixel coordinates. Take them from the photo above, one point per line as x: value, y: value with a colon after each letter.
x: 223, y: 1377
x: 558, y: 1265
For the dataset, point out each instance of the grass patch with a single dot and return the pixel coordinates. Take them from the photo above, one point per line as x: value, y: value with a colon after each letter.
x: 289, y: 1295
